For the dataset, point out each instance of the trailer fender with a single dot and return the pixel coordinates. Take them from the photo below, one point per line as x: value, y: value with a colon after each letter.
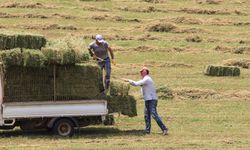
x: 52, y: 121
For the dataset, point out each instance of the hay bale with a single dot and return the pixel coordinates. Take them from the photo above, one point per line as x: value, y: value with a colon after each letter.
x: 63, y: 52
x: 10, y: 41
x: 126, y: 105
x: 119, y: 88
x: 11, y: 58
x: 212, y: 70
x: 28, y: 84
x: 164, y: 92
x: 80, y: 81
x: 26, y: 57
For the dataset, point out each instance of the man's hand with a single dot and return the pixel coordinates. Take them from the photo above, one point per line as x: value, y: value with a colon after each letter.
x: 94, y: 57
x: 125, y: 80
x: 113, y: 61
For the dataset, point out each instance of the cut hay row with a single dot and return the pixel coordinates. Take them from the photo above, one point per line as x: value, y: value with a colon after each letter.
x: 21, y: 41
x: 244, y: 63
x: 211, y: 70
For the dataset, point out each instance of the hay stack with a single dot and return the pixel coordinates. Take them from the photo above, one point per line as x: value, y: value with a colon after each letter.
x: 212, y: 70
x: 37, y: 83
x: 10, y: 41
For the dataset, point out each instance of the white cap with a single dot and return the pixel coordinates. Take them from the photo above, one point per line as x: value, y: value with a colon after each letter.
x: 99, y: 38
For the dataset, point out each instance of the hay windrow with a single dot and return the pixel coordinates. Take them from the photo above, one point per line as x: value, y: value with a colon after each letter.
x: 215, y: 70
x: 26, y: 5
x: 163, y: 64
x: 196, y: 39
x: 244, y: 63
x: 47, y: 27
x: 208, y: 1
x: 186, y: 20
x: 236, y: 50
x: 161, y: 27
x: 148, y: 9
x: 164, y: 92
x: 194, y: 93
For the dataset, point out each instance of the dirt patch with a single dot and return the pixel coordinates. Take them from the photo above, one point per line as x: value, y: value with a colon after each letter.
x: 194, y: 93
x: 161, y: 27
x: 47, y: 27
x: 219, y: 21
x: 244, y: 63
x: 196, y: 39
x: 26, y: 5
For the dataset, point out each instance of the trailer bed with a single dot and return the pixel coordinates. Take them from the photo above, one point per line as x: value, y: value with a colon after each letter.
x: 54, y: 109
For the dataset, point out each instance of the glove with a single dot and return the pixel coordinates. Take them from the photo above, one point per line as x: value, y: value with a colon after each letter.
x: 113, y: 62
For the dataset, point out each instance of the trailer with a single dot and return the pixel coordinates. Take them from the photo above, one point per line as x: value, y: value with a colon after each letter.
x: 61, y: 117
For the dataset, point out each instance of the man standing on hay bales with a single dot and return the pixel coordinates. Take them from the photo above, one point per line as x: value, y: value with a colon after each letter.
x: 150, y: 99
x: 98, y: 49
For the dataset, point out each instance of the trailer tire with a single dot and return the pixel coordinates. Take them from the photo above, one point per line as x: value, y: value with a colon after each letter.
x: 64, y: 128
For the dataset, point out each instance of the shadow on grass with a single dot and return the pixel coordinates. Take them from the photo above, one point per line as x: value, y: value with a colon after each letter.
x: 87, y: 132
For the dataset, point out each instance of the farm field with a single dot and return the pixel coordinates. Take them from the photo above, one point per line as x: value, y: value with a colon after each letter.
x: 175, y: 39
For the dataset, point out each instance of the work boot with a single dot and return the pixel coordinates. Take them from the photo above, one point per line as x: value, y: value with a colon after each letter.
x: 165, y: 132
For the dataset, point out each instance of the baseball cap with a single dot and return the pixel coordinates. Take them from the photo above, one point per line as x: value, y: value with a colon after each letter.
x: 99, y: 38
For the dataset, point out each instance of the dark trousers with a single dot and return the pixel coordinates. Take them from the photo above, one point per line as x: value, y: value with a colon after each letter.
x: 150, y: 110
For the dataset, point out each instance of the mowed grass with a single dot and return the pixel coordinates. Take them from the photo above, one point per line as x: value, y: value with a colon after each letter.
x: 221, y: 123
x: 202, y: 124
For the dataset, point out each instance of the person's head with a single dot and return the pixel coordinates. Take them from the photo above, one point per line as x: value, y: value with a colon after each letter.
x: 99, y: 39
x: 144, y: 71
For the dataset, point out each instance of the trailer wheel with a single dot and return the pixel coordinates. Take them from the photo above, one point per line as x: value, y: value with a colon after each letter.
x: 64, y: 127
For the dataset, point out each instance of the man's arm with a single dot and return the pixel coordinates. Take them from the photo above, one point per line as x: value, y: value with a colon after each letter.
x: 136, y: 83
x: 111, y: 52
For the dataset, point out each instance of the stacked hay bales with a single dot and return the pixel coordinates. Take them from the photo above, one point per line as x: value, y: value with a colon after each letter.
x: 58, y: 72
x: 10, y: 41
x: 212, y: 70
x: 119, y: 99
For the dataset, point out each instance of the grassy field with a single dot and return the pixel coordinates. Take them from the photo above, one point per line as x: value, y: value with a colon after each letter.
x: 219, y: 120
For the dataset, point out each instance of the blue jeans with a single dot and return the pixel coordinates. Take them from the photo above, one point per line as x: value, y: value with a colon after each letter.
x: 150, y: 110
x: 107, y: 67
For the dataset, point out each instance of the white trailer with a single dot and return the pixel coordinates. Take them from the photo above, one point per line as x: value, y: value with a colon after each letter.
x: 60, y: 116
